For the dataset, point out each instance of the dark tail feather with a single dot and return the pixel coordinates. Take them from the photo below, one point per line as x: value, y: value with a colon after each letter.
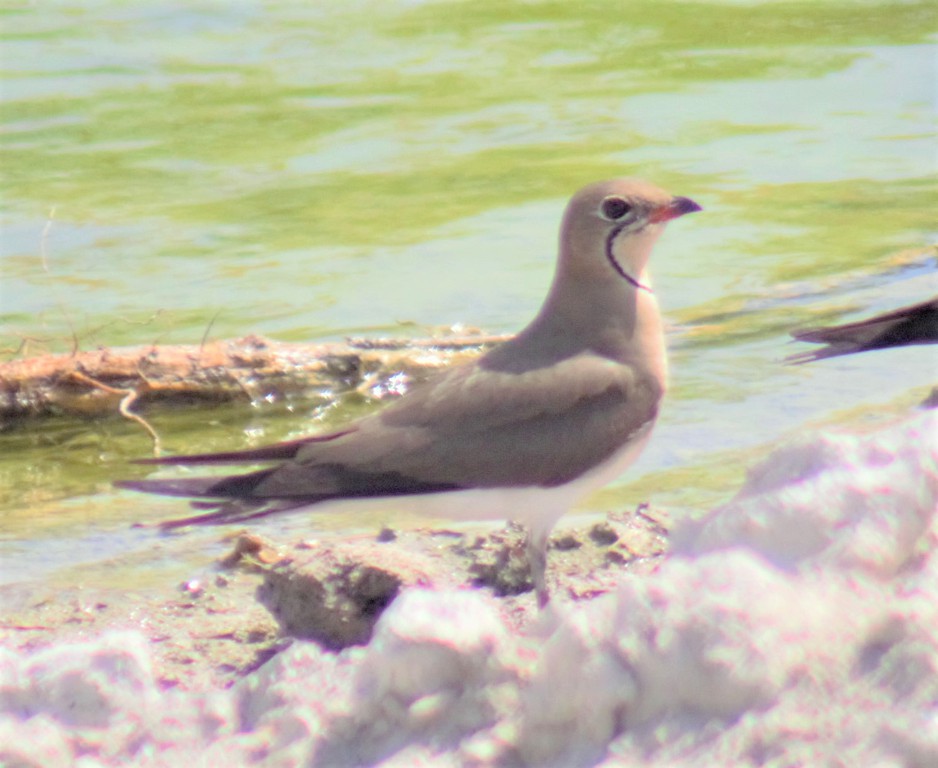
x: 275, y: 452
x: 231, y: 487
x: 231, y: 500
x: 196, y: 486
x: 229, y: 512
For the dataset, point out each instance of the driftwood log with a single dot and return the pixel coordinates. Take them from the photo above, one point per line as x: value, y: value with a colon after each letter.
x: 121, y: 380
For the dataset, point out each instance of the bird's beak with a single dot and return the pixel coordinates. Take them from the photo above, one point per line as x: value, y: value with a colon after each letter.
x: 677, y: 207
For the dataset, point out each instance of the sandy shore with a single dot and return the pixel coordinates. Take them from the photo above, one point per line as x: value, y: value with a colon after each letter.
x: 264, y: 594
x: 794, y: 625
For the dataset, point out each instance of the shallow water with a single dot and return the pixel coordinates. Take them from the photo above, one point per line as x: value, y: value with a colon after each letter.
x: 310, y: 171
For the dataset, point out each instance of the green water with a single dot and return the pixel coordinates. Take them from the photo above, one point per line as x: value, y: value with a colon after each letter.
x: 311, y: 170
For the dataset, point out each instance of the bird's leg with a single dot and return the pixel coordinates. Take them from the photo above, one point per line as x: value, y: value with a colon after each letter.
x: 537, y: 558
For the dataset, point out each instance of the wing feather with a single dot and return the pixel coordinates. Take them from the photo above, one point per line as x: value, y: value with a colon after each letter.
x: 471, y: 427
x: 469, y: 430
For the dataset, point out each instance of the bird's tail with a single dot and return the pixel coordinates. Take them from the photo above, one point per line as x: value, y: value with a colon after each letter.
x: 232, y: 486
x: 226, y: 499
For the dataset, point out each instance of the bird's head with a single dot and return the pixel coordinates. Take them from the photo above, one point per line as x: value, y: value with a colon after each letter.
x: 610, y: 226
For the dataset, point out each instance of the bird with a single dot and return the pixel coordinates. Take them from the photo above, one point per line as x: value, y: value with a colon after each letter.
x: 914, y: 324
x: 520, y: 433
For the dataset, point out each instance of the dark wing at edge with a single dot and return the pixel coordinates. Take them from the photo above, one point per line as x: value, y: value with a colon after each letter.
x: 916, y: 324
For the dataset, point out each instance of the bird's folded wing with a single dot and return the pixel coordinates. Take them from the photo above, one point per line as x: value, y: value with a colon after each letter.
x: 475, y: 428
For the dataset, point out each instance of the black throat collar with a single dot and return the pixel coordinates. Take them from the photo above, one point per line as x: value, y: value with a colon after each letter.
x: 610, y: 241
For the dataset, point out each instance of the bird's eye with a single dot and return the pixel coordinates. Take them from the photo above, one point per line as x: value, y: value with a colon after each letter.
x: 614, y: 208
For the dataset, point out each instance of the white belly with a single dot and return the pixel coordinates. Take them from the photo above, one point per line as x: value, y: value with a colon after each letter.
x: 537, y: 507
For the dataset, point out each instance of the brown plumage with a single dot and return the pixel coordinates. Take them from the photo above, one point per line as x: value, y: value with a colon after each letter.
x: 553, y: 413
